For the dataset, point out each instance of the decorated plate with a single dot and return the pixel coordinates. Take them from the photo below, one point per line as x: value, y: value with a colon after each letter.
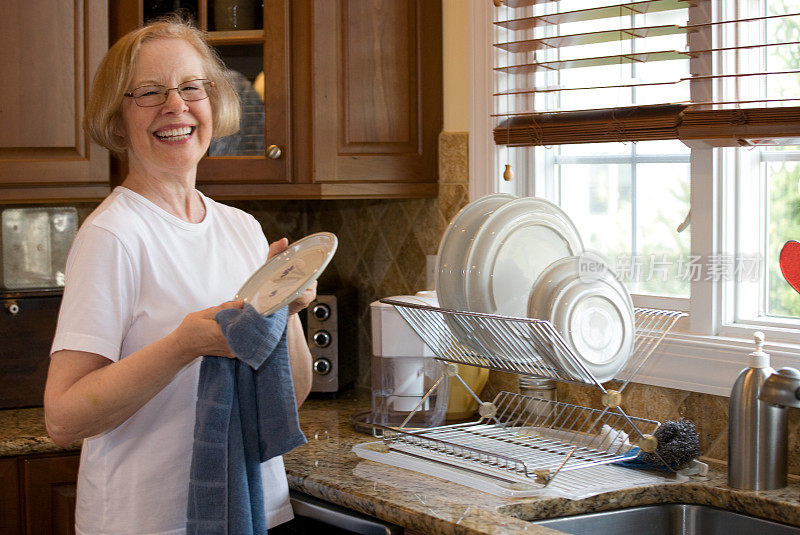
x: 288, y: 274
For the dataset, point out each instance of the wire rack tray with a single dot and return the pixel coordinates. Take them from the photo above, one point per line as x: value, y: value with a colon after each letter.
x: 527, y: 436
x: 522, y: 345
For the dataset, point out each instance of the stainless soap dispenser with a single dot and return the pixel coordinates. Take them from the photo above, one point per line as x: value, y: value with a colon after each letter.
x: 756, y: 429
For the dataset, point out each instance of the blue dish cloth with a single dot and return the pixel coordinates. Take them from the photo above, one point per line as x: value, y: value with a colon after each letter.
x: 246, y: 414
x: 634, y: 460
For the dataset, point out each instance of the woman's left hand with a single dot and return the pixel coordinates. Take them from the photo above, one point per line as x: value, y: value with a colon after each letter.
x: 305, y: 298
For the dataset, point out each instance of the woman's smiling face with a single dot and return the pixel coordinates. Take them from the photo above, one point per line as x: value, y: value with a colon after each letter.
x: 172, y: 137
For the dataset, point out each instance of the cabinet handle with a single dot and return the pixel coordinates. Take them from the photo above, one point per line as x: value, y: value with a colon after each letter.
x: 274, y: 152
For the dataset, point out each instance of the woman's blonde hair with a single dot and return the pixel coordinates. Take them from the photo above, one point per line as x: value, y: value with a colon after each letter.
x: 102, y: 120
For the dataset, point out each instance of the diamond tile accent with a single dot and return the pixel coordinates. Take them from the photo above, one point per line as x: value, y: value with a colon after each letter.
x: 382, y: 243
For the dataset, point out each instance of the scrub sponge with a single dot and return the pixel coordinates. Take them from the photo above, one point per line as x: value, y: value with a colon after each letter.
x: 678, y: 445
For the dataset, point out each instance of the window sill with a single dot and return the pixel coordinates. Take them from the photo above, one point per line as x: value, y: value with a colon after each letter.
x: 707, y: 364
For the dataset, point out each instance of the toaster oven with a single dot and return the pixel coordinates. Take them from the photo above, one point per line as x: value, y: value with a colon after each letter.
x: 332, y: 336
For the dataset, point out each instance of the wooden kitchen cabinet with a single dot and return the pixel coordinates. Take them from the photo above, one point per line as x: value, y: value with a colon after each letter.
x: 352, y: 98
x: 375, y: 112
x: 9, y: 496
x: 49, y: 50
x: 37, y: 494
x: 48, y: 492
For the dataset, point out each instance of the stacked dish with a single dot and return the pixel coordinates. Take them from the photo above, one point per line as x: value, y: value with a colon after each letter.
x: 591, y: 309
x: 498, y: 245
x: 523, y: 257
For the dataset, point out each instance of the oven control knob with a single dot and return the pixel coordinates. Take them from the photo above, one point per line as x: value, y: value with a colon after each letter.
x: 322, y: 366
x: 322, y: 338
x: 321, y: 311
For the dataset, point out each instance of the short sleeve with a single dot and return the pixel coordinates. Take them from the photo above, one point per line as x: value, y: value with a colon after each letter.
x: 259, y: 236
x: 99, y: 295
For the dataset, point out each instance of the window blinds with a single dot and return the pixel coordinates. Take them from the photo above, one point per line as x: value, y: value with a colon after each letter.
x: 720, y: 73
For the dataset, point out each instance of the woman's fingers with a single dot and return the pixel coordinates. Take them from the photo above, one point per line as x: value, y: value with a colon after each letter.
x: 277, y: 247
x: 304, y: 299
x: 200, y: 334
x: 239, y: 303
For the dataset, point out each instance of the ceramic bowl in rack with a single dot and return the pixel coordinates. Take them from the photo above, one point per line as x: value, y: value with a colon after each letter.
x: 592, y: 311
x: 511, y: 249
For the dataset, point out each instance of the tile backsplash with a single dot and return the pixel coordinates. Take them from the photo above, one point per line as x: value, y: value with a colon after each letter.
x: 382, y: 243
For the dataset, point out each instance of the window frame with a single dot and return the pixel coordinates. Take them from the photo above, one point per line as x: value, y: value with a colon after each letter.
x: 706, y: 351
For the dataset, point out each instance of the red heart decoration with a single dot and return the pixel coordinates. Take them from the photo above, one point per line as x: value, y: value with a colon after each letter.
x: 790, y: 263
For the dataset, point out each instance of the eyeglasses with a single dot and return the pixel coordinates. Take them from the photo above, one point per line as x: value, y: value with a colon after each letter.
x: 147, y: 96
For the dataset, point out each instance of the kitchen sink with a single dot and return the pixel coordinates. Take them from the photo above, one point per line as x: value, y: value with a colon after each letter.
x: 668, y: 519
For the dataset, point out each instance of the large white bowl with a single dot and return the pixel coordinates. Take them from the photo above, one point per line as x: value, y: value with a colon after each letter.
x: 511, y: 249
x: 593, y: 312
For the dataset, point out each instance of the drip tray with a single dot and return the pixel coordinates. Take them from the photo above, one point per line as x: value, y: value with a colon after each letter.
x: 572, y: 484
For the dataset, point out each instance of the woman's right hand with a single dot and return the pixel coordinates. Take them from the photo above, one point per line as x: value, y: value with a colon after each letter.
x: 199, y: 334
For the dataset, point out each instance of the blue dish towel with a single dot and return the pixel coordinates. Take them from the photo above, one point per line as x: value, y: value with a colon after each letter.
x: 246, y: 414
x: 634, y: 460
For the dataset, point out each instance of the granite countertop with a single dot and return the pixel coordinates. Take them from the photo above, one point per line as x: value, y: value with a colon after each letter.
x: 327, y: 468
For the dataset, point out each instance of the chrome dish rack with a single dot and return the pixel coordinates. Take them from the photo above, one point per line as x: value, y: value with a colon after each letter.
x: 519, y: 437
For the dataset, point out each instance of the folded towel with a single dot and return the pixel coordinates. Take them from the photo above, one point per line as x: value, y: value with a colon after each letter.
x: 246, y: 414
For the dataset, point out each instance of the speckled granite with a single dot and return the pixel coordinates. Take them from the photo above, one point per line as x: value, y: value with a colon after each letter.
x: 326, y: 468
x: 22, y: 432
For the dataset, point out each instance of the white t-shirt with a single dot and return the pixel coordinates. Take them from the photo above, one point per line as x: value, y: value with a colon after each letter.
x: 133, y: 273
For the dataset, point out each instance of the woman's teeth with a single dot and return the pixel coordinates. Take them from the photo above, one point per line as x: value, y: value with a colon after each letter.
x: 175, y: 134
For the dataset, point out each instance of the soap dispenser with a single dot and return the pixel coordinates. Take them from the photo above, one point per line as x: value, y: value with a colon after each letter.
x: 756, y: 429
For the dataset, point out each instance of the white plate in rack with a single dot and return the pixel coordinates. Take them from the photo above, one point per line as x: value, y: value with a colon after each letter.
x: 452, y: 257
x: 288, y: 274
x: 454, y: 247
x: 511, y: 249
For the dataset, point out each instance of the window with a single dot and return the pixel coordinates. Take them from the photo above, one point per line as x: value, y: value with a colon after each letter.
x: 704, y: 102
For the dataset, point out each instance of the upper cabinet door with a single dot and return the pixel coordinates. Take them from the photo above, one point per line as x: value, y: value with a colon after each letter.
x: 253, y: 40
x: 254, y: 44
x: 340, y: 98
x: 377, y: 93
x: 49, y: 50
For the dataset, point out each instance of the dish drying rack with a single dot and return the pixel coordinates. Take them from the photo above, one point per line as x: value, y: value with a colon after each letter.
x: 521, y: 439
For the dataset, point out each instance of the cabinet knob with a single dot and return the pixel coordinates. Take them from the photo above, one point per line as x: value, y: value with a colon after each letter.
x: 274, y: 152
x: 12, y: 307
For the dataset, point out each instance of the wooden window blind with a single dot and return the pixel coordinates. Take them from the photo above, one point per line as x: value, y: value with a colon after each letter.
x: 721, y: 73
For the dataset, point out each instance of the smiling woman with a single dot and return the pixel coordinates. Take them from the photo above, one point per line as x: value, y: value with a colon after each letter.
x: 174, y: 134
x: 115, y: 78
x: 146, y: 276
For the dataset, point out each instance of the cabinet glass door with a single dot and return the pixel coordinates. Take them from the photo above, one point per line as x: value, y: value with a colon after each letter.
x: 252, y: 38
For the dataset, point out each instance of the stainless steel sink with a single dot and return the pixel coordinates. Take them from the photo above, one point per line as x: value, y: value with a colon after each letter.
x: 668, y: 519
